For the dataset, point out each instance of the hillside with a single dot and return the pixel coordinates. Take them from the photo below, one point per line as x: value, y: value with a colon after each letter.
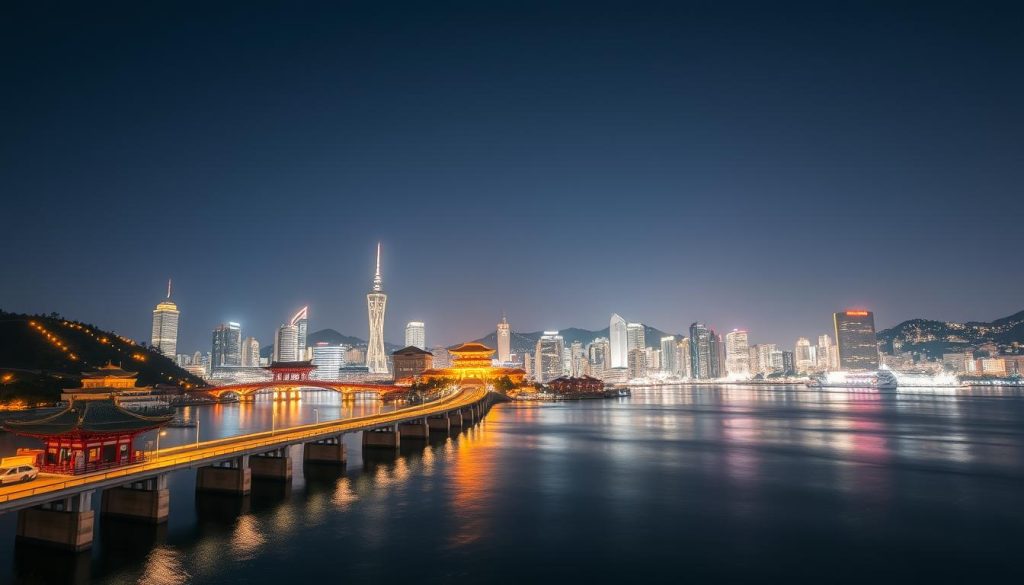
x: 937, y: 337
x: 524, y: 342
x: 332, y: 337
x: 36, y: 361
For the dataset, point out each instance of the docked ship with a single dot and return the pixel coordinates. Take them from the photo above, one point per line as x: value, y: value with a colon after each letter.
x: 871, y: 380
x: 923, y: 379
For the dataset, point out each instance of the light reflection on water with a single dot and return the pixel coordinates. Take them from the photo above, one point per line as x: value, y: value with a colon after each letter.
x: 719, y: 483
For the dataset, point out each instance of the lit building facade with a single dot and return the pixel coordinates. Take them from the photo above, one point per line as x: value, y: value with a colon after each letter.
x: 737, y: 353
x: 165, y: 326
x: 415, y: 335
x: 227, y: 345
x: 328, y: 359
x: 301, y: 323
x: 635, y: 337
x: 804, y: 355
x: 286, y: 344
x: 547, y: 361
x: 668, y: 355
x: 617, y: 342
x: 251, y: 352
x: 684, y: 358
x: 637, y: 364
x: 855, y: 339
x: 376, y: 305
x: 504, y: 335
x: 703, y: 349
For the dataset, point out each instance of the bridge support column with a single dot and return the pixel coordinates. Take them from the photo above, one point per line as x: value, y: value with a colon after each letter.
x: 468, y: 416
x: 66, y: 523
x: 455, y: 419
x: 439, y: 424
x: 329, y: 450
x: 382, y: 438
x: 414, y: 430
x: 276, y: 464
x: 147, y: 500
x: 231, y: 476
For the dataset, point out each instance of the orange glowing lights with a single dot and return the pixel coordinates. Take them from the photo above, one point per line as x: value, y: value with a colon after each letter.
x: 856, y: 313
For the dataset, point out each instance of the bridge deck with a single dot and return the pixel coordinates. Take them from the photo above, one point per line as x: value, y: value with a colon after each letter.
x: 52, y: 487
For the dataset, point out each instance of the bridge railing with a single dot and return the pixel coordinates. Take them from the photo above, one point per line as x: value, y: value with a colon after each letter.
x: 199, y: 452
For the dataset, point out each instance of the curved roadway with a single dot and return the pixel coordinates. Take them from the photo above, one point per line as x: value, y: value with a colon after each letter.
x: 52, y: 487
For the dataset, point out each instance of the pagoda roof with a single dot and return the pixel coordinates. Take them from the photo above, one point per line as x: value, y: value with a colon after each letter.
x: 286, y: 365
x: 110, y: 371
x: 471, y: 347
x: 86, y: 417
x: 411, y: 350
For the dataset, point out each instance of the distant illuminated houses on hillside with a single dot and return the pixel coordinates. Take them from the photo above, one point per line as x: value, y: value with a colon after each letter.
x: 856, y: 340
x: 165, y: 326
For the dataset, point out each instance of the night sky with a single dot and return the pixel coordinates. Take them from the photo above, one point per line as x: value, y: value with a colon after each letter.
x: 753, y: 165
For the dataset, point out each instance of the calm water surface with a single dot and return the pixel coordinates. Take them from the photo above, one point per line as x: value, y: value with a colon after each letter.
x: 707, y: 484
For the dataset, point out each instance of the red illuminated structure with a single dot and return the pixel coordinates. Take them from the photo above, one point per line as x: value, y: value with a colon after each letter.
x: 583, y: 384
x: 291, y: 371
x: 87, y: 436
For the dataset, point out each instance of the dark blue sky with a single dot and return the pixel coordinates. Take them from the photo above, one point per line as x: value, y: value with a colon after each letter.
x: 751, y: 165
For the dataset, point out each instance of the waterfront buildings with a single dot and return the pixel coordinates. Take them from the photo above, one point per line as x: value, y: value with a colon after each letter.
x: 442, y: 359
x: 376, y: 305
x: 547, y: 361
x: 684, y: 358
x: 328, y: 359
x: 804, y: 356
x: 827, y: 356
x: 737, y: 353
x: 703, y: 351
x: 251, y: 352
x: 301, y: 323
x: 635, y: 338
x: 286, y: 344
x: 617, y: 342
x: 227, y: 345
x: 668, y: 355
x: 411, y: 361
x: 504, y: 334
x: 855, y: 339
x: 599, y: 356
x: 415, y: 335
x: 165, y: 326
x: 637, y: 363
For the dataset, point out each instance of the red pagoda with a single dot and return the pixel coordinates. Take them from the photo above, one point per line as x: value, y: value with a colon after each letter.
x: 87, y: 436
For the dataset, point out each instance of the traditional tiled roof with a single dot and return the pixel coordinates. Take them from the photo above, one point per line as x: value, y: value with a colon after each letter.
x: 471, y: 347
x: 110, y: 371
x: 411, y: 350
x: 86, y: 417
x: 300, y: 364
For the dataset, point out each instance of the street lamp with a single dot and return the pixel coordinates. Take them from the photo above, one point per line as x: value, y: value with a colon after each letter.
x: 273, y: 419
x: 316, y: 412
x: 158, y: 435
x: 197, y: 429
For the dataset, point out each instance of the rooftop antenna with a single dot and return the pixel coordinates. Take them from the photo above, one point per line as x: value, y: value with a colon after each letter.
x: 168, y: 288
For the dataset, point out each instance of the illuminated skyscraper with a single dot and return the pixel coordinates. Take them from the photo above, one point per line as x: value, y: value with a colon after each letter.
x: 618, y: 343
x: 251, y: 352
x: 827, y: 356
x: 599, y: 356
x: 376, y: 304
x: 804, y: 356
x: 684, y: 358
x: 227, y: 346
x: 504, y: 341
x: 165, y: 326
x: 702, y: 350
x: 301, y: 323
x: 328, y: 360
x: 286, y: 344
x: 855, y: 338
x: 737, y: 353
x: 416, y: 335
x: 635, y: 337
x: 668, y: 355
x: 549, y: 359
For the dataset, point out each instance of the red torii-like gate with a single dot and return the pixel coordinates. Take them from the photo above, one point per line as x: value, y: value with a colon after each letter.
x: 288, y: 377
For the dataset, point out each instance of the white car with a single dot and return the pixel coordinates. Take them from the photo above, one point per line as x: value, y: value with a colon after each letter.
x: 18, y: 474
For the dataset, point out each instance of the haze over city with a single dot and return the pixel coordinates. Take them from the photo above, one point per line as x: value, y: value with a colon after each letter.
x: 735, y: 164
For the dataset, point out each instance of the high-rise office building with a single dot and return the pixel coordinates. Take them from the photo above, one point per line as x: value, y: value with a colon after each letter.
x: 703, y: 350
x: 635, y: 338
x: 301, y: 323
x: 668, y: 355
x: 717, y: 355
x: 599, y: 356
x: 684, y: 358
x: 855, y: 339
x: 804, y: 356
x: 227, y: 346
x: 504, y: 334
x: 828, y: 357
x: 328, y: 359
x: 251, y: 352
x: 286, y: 344
x: 416, y: 335
x: 637, y: 363
x: 548, y: 361
x: 788, y: 363
x: 737, y: 353
x: 376, y: 305
x: 617, y: 342
x: 763, y: 353
x: 165, y: 326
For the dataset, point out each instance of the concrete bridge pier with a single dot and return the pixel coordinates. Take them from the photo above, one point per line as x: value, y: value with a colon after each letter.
x: 230, y: 476
x: 329, y: 450
x: 468, y: 416
x: 275, y: 464
x: 147, y: 500
x: 416, y: 429
x: 439, y: 423
x: 66, y: 523
x: 382, y: 438
x: 455, y: 419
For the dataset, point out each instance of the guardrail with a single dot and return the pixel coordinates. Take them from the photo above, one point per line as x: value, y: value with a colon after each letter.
x: 167, y: 459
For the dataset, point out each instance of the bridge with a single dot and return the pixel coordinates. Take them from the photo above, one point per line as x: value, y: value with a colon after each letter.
x: 287, y: 380
x: 58, y: 511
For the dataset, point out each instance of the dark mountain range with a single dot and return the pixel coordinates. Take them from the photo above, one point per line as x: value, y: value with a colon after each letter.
x: 36, y: 361
x: 332, y: 337
x: 522, y: 342
x: 937, y: 337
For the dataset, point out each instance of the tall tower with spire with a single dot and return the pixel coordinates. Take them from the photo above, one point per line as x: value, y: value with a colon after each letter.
x: 165, y: 325
x: 504, y: 341
x: 376, y: 304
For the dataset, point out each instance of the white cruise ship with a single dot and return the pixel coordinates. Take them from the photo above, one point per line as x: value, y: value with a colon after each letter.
x: 873, y: 380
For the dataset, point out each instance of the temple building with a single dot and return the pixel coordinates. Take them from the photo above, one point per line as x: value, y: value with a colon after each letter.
x: 109, y: 382
x: 410, y: 362
x: 88, y: 435
x: 473, y: 361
